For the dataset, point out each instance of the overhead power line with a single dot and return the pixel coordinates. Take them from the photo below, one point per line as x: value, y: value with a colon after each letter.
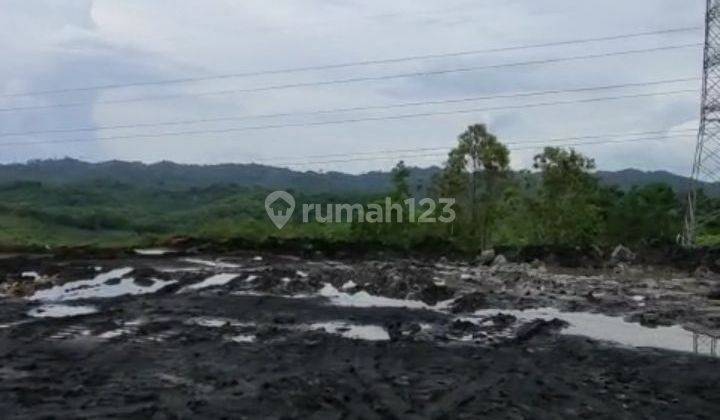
x: 594, y: 143
x: 359, y: 79
x: 348, y: 121
x: 351, y: 109
x: 354, y: 63
x: 654, y: 134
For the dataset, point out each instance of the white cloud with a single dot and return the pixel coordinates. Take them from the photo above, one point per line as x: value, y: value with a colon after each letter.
x: 103, y: 41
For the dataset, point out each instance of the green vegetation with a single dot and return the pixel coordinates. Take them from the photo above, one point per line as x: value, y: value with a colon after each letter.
x: 561, y: 202
x: 472, y: 176
x: 109, y: 214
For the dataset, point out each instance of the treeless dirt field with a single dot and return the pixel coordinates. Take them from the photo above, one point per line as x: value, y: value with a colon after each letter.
x: 247, y: 336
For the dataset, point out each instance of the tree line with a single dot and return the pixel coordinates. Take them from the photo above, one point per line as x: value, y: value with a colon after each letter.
x: 558, y: 203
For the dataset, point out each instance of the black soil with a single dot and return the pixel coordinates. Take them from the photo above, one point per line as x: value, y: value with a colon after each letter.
x: 165, y: 364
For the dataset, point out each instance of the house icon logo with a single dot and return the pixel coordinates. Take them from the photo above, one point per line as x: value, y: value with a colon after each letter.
x: 279, y: 206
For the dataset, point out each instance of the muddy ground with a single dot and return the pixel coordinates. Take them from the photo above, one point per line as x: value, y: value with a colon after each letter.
x: 270, y: 336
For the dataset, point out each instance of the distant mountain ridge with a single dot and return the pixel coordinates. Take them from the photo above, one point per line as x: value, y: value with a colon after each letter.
x: 627, y: 178
x: 174, y: 175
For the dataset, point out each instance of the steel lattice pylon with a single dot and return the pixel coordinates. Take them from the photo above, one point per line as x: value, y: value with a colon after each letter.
x: 706, y: 164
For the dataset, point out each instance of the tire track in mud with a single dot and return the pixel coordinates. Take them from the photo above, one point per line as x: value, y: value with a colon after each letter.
x: 149, y: 355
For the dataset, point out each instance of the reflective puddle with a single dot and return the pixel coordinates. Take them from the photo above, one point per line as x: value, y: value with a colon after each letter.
x: 352, y: 331
x: 212, y: 281
x: 32, y: 274
x: 342, y: 328
x: 365, y: 300
x: 212, y: 322
x: 243, y: 338
x: 154, y: 251
x: 119, y: 332
x: 61, y: 311
x: 114, y: 283
x: 603, y: 327
x: 211, y: 263
x: 105, y: 285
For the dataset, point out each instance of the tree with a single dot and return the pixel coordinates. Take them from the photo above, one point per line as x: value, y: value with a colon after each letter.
x: 400, y: 175
x: 567, y: 209
x: 391, y: 230
x: 565, y: 171
x: 473, y: 170
x: 514, y: 226
x: 647, y: 215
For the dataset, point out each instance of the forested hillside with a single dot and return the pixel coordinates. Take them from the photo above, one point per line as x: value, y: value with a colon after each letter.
x: 174, y: 175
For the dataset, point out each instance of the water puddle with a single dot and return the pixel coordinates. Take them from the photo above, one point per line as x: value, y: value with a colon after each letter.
x: 606, y: 328
x: 105, y: 285
x: 345, y: 329
x: 58, y: 292
x: 361, y: 299
x: 365, y: 300
x: 31, y: 274
x: 211, y: 322
x: 243, y: 338
x: 211, y: 263
x: 179, y: 269
x: 256, y: 293
x: 154, y: 252
x: 119, y: 332
x: 352, y: 331
x: 61, y: 311
x: 212, y: 281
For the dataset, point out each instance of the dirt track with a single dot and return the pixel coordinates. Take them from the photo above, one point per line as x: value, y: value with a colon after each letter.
x: 291, y: 338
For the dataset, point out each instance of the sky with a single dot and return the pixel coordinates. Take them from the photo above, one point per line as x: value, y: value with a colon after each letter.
x: 51, y: 45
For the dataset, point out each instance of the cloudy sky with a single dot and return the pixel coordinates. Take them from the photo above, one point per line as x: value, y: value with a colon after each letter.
x: 50, y: 45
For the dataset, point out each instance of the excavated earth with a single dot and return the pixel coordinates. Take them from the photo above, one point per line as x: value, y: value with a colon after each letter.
x: 161, y: 335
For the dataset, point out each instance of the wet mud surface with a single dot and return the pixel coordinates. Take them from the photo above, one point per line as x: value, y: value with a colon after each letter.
x: 248, y: 336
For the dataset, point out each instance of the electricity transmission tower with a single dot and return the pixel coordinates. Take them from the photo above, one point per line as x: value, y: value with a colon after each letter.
x: 706, y: 165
